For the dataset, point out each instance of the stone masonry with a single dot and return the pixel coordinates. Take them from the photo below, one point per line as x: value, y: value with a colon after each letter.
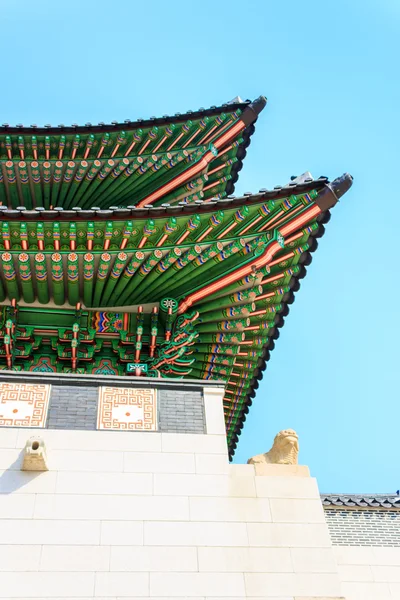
x: 161, y: 515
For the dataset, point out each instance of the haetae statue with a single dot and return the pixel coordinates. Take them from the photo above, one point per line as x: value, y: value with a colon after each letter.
x: 34, y: 455
x: 284, y: 451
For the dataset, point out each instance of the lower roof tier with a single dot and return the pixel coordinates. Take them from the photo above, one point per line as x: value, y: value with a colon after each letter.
x: 200, y: 295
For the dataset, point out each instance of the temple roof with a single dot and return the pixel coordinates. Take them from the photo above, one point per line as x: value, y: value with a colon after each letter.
x: 182, y: 158
x: 360, y: 500
x: 181, y: 283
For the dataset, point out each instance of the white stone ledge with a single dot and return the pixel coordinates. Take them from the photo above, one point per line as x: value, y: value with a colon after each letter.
x: 271, y: 470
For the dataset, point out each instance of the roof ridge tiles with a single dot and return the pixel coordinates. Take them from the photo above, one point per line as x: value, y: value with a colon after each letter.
x: 199, y: 206
x: 361, y: 500
x: 257, y: 106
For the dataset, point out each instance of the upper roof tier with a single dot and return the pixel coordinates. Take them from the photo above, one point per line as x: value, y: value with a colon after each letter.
x: 121, y: 245
x: 178, y: 159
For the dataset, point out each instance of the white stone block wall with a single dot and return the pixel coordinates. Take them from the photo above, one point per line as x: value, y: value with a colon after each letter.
x: 123, y: 515
x: 369, y: 573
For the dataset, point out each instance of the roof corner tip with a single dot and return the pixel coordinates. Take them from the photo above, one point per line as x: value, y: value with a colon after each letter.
x: 251, y: 112
x: 342, y: 184
x: 332, y: 192
x: 259, y: 104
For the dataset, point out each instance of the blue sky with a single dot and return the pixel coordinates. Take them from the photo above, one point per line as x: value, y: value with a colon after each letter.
x: 331, y: 74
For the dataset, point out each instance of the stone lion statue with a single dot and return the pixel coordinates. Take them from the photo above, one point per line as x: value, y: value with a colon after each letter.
x: 284, y: 451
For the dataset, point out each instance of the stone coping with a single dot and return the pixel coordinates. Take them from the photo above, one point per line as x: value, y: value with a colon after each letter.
x: 282, y: 470
x: 106, y: 380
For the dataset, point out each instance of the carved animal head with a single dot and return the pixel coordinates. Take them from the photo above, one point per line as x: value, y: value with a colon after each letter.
x: 287, y: 437
x: 284, y: 451
x: 286, y: 443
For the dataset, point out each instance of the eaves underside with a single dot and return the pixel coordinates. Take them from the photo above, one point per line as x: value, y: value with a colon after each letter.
x: 309, y: 197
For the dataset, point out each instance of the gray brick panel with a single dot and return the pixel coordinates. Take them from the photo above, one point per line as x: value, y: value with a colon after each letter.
x: 75, y: 407
x: 181, y: 411
x: 72, y: 407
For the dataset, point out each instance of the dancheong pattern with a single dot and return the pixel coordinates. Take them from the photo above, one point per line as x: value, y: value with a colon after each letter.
x: 122, y: 243
x: 127, y: 409
x: 23, y: 405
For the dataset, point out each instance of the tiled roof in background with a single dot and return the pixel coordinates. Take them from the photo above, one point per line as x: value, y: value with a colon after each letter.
x: 361, y: 501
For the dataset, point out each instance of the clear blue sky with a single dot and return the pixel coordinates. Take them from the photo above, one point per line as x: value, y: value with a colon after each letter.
x: 331, y: 72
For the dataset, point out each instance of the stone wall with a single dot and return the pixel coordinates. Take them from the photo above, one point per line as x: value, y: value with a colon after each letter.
x: 369, y: 573
x: 123, y: 515
x: 366, y: 543
x: 363, y: 527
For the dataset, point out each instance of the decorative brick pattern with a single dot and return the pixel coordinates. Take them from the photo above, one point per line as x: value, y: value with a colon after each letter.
x: 23, y: 404
x: 128, y: 409
x: 364, y: 527
x: 181, y: 411
x: 73, y: 407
